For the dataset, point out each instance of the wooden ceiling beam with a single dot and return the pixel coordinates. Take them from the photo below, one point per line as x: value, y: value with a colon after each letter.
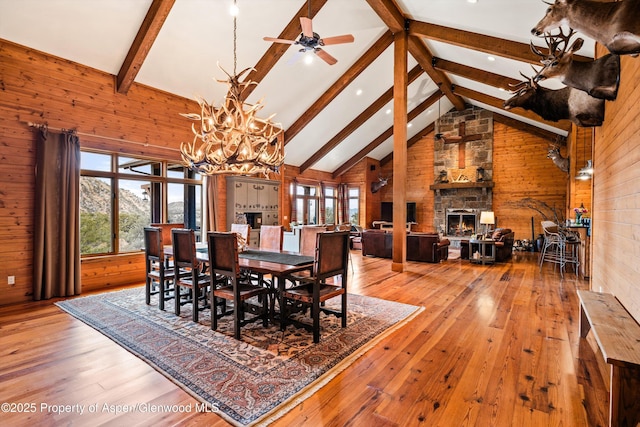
x: 393, y: 17
x: 421, y: 53
x: 354, y: 71
x: 564, y: 125
x: 277, y: 50
x: 476, y: 74
x: 390, y: 14
x: 487, y: 44
x: 147, y: 33
x: 372, y: 109
x: 386, y: 135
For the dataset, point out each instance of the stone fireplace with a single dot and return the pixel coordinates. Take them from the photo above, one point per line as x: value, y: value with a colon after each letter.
x: 463, y: 166
x: 461, y: 222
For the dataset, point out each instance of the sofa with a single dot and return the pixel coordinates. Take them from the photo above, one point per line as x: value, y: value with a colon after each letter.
x: 424, y: 247
x: 504, y: 238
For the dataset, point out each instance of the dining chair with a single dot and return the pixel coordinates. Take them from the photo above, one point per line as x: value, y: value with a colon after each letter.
x: 223, y: 263
x: 166, y: 228
x: 271, y: 237
x: 243, y: 231
x: 308, y: 239
x: 184, y: 258
x: 330, y: 261
x: 159, y: 278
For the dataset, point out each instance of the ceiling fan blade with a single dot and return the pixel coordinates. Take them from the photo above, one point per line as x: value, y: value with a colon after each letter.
x: 271, y: 39
x: 326, y: 57
x: 347, y: 38
x: 307, y: 27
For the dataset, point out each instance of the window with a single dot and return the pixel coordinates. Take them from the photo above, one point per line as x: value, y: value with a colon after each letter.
x: 354, y: 205
x: 306, y: 205
x: 330, y: 204
x: 120, y: 195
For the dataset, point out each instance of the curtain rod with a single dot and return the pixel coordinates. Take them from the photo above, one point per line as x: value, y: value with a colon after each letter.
x: 110, y: 138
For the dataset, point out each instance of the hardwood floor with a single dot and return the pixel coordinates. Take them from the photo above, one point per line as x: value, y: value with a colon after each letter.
x: 495, y: 346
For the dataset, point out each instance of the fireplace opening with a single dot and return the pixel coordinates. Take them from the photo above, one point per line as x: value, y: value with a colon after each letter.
x: 461, y: 222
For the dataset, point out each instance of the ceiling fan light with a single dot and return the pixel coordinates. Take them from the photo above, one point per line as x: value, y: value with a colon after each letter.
x: 588, y: 168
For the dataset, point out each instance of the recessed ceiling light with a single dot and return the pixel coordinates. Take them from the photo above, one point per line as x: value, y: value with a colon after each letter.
x: 388, y: 111
x: 472, y: 1
x: 409, y: 125
x: 359, y: 92
x: 308, y: 59
x: 491, y: 58
x: 429, y: 111
x: 234, y: 10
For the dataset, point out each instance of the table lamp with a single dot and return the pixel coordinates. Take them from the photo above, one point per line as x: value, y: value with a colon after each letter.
x: 487, y: 218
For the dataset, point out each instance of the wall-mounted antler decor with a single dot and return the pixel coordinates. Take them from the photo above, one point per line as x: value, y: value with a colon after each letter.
x: 377, y: 185
x: 561, y: 162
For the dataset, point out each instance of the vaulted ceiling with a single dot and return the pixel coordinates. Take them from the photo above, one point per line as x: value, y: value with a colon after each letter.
x: 460, y: 53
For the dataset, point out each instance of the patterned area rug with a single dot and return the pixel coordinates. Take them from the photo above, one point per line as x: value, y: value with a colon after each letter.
x: 248, y: 382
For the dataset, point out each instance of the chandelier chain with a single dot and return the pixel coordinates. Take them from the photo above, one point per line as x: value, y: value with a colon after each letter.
x: 235, y: 39
x: 231, y: 138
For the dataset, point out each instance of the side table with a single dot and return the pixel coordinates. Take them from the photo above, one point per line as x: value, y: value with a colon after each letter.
x: 486, y: 250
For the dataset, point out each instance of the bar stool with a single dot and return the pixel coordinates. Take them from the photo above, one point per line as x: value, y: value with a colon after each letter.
x: 561, y: 247
x: 553, y: 249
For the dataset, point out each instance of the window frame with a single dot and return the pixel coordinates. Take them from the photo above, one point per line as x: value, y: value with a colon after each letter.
x: 158, y: 183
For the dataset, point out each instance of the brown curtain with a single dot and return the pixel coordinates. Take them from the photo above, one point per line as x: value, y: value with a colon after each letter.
x: 211, y: 188
x: 292, y: 201
x: 343, y: 204
x: 56, y: 239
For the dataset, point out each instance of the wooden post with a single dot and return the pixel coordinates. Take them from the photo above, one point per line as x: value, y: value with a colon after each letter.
x: 400, y: 80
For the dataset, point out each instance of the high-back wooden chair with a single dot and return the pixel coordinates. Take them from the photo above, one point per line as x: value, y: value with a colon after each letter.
x: 242, y: 230
x: 308, y: 239
x: 166, y: 228
x: 331, y: 261
x: 271, y: 238
x: 184, y: 258
x: 159, y: 278
x: 223, y: 263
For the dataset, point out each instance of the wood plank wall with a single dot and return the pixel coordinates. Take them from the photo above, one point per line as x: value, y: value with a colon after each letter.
x: 521, y: 171
x: 420, y: 176
x: 42, y: 88
x: 616, y: 194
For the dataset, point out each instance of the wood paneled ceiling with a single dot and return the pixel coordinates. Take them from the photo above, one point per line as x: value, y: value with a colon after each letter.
x: 460, y: 54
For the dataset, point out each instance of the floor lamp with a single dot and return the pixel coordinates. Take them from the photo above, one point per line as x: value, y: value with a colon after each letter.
x: 487, y: 218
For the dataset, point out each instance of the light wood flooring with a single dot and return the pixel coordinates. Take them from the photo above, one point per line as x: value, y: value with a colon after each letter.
x: 495, y: 346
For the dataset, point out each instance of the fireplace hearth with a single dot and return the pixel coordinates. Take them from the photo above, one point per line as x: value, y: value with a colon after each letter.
x: 461, y: 222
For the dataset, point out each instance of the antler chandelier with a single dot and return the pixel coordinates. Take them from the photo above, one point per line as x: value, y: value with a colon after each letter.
x: 231, y: 139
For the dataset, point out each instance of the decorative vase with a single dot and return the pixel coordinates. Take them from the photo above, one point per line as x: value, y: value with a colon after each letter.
x: 578, y: 216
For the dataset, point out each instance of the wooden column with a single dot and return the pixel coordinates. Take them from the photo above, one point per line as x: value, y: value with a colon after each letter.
x: 399, y: 151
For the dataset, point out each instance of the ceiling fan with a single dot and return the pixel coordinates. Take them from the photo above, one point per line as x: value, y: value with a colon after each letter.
x: 310, y: 41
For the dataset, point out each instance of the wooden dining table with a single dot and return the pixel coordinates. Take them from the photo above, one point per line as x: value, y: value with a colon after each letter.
x: 277, y: 264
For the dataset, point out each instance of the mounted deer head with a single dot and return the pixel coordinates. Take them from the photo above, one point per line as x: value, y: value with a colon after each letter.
x: 567, y: 103
x: 377, y: 185
x: 561, y: 162
x: 599, y: 78
x: 612, y: 24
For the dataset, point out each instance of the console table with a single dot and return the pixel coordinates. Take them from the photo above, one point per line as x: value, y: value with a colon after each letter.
x: 486, y: 251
